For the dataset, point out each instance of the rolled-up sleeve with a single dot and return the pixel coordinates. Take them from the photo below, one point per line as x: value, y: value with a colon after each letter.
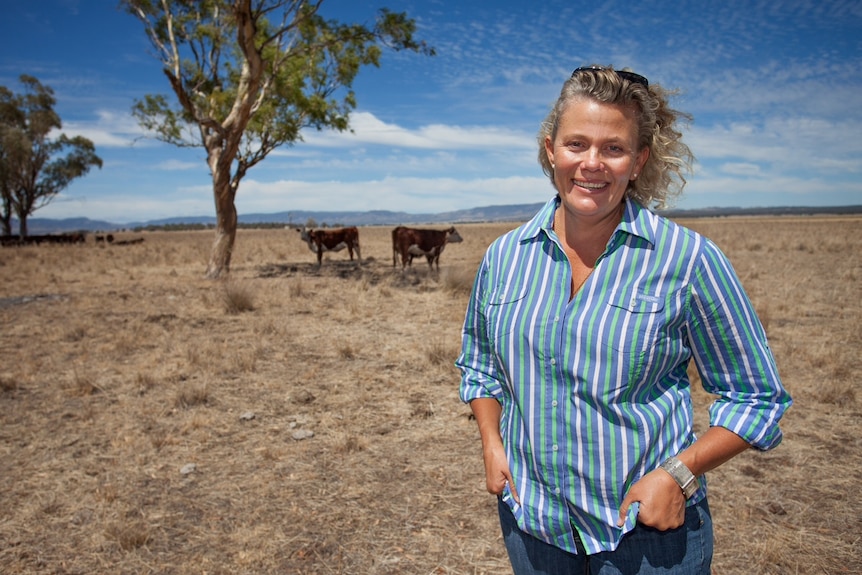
x: 732, y: 354
x: 479, y: 376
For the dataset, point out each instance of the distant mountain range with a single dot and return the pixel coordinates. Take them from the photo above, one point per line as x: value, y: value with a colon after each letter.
x: 509, y: 213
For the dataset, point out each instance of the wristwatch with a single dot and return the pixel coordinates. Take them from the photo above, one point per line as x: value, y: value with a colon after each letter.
x: 682, y: 475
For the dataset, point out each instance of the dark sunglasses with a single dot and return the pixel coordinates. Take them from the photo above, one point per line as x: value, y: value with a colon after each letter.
x: 630, y: 76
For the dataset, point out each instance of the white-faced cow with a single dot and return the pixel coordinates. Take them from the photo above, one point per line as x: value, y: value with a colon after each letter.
x: 334, y: 240
x: 411, y: 242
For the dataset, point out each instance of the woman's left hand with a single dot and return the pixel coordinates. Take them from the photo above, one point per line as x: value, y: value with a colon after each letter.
x: 662, y: 503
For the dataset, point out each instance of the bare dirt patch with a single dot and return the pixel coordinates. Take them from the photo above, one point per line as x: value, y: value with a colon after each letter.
x: 304, y: 419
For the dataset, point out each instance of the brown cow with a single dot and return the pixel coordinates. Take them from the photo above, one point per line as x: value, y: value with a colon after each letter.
x: 334, y: 240
x: 410, y: 242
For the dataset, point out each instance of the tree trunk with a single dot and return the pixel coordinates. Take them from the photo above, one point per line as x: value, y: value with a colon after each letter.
x: 226, y: 219
x: 22, y: 225
x: 6, y: 220
x: 224, y: 193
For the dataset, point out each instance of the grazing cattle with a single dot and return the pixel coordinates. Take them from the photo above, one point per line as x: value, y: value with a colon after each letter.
x: 39, y: 239
x: 411, y: 242
x: 334, y: 240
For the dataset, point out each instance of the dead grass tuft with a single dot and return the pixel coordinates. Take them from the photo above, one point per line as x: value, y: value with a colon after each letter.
x: 77, y: 333
x: 237, y: 298
x: 839, y: 394
x: 347, y: 351
x: 129, y: 536
x: 296, y: 288
x: 458, y: 280
x: 161, y: 437
x: 354, y: 443
x: 83, y: 383
x: 423, y: 410
x: 145, y: 382
x: 441, y: 352
x: 8, y: 384
x: 245, y: 361
x: 192, y: 394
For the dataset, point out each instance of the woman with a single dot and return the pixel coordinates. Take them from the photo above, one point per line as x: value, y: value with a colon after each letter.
x: 576, y: 341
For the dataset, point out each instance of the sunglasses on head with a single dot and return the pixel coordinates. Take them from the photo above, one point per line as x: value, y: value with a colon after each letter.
x: 630, y: 76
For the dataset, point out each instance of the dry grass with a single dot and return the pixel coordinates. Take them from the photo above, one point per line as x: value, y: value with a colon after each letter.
x: 303, y: 420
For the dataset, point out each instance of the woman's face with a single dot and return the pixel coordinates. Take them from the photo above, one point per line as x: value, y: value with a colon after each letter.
x: 594, y: 156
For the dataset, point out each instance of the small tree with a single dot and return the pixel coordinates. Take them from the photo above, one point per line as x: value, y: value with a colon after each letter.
x: 10, y: 116
x: 249, y: 76
x: 33, y: 167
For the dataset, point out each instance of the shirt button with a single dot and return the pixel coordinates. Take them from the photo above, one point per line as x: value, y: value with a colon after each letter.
x: 553, y: 361
x: 554, y: 403
x: 556, y: 490
x: 555, y: 448
x: 556, y: 318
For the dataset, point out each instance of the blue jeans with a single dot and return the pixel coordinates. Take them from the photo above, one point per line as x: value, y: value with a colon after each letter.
x: 686, y: 550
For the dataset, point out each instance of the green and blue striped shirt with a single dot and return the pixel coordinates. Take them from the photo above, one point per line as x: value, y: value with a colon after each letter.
x: 594, y: 391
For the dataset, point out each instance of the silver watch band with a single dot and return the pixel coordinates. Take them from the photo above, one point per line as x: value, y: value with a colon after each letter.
x: 682, y: 475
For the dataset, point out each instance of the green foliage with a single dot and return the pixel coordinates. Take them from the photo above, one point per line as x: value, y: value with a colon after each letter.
x: 33, y: 167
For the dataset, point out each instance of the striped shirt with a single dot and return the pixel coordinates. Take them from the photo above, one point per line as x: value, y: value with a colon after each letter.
x: 594, y: 391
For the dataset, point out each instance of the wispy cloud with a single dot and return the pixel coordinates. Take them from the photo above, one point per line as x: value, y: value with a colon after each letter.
x: 414, y: 195
x: 178, y: 165
x: 368, y: 129
x: 110, y: 128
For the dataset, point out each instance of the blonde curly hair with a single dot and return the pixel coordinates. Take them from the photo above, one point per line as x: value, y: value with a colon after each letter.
x: 663, y: 176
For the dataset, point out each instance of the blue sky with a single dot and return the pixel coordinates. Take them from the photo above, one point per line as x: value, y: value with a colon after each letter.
x: 775, y: 89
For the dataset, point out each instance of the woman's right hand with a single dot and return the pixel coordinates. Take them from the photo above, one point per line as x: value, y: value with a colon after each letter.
x: 497, y: 473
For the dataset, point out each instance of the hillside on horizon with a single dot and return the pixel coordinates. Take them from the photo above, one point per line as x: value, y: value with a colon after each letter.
x: 298, y: 218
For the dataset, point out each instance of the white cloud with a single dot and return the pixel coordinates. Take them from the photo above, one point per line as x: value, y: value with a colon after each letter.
x: 177, y: 165
x: 368, y: 129
x: 781, y: 145
x: 109, y: 129
x: 740, y: 169
x: 412, y: 195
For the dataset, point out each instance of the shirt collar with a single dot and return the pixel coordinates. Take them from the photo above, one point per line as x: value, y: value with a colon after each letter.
x: 637, y: 221
x: 543, y: 220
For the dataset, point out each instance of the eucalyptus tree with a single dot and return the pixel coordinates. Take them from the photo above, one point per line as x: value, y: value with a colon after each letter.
x: 248, y: 76
x: 11, y: 119
x: 36, y: 163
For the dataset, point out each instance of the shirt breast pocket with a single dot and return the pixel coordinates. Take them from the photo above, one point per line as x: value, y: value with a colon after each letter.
x: 505, y: 304
x: 634, y: 320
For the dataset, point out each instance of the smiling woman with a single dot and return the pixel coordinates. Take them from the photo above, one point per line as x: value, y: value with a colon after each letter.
x: 577, y: 341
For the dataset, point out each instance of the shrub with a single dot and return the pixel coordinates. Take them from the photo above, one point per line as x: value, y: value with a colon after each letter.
x: 237, y: 298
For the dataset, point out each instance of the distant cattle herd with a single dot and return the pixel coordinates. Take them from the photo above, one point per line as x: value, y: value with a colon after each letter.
x: 407, y: 243
x: 67, y: 238
x: 31, y: 240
